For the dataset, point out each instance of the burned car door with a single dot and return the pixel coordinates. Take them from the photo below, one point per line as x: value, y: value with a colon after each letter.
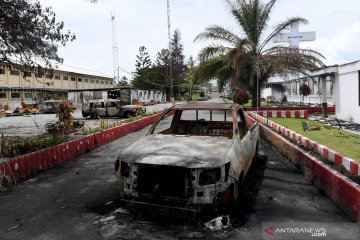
x: 100, y: 109
x: 112, y: 109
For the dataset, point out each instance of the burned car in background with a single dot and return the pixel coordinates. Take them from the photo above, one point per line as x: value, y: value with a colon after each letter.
x: 110, y: 108
x: 49, y: 106
x: 194, y: 155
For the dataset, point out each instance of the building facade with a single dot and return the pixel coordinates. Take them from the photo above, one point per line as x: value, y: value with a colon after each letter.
x: 32, y: 85
x: 337, y: 85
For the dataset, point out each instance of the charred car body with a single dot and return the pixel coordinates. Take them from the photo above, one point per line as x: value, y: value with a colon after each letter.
x: 194, y: 155
x: 109, y: 108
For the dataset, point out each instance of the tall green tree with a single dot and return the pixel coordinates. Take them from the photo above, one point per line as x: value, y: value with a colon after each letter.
x: 142, y: 60
x: 123, y: 81
x: 142, y: 69
x: 191, y: 81
x: 247, y: 60
x: 178, y: 66
x: 30, y: 32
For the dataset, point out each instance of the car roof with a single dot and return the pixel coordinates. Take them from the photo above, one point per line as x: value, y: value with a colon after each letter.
x: 205, y: 106
x: 48, y: 101
x: 105, y: 100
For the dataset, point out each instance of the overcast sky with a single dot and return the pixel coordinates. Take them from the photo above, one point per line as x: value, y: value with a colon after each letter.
x: 144, y: 22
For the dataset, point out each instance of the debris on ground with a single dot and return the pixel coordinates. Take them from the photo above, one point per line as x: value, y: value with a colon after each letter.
x: 269, y: 198
x: 104, y: 220
x: 15, y: 227
x: 218, y: 223
x: 122, y: 211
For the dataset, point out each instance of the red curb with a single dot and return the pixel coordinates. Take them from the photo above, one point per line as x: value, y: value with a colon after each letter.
x: 325, y: 153
x: 22, y: 167
x: 338, y: 159
x: 14, y: 167
x: 354, y: 168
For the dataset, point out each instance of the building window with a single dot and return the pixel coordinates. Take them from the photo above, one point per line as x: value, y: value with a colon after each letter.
x: 65, y: 78
x: 48, y: 76
x: 97, y: 81
x: 28, y: 95
x: 102, y: 82
x: 27, y: 74
x: 73, y: 79
x: 57, y: 77
x: 14, y: 72
x: 15, y: 95
x: 2, y: 95
x: 92, y: 81
x: 2, y: 71
x: 86, y: 80
x: 38, y: 75
x: 79, y: 79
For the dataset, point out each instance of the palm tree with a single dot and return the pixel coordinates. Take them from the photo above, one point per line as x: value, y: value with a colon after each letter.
x: 248, y: 61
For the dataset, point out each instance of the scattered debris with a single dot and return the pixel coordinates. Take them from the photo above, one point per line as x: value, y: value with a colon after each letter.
x: 269, y: 198
x: 218, y: 223
x: 106, y: 219
x: 15, y: 227
x: 308, y: 127
x: 122, y: 211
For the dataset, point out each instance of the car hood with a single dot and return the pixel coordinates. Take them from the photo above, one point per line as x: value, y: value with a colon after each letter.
x: 182, y: 151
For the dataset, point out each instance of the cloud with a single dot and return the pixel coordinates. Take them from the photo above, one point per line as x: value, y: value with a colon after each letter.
x: 340, y: 47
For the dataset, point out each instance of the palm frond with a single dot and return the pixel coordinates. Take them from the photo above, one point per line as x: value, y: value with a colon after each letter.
x: 213, y: 51
x: 217, y: 33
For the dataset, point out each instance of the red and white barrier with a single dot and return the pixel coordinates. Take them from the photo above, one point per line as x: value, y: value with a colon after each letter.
x: 285, y: 114
x: 338, y: 187
x: 351, y: 165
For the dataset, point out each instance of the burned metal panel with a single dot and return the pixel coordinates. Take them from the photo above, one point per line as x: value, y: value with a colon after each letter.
x: 189, y: 152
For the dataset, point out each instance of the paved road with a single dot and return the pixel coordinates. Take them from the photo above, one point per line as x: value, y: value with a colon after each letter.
x: 31, y: 125
x: 64, y: 203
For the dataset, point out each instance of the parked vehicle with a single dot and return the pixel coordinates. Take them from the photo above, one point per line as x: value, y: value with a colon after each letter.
x: 49, y: 106
x: 109, y: 108
x: 195, y: 155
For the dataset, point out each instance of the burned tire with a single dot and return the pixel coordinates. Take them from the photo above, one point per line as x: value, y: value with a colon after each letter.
x: 128, y: 115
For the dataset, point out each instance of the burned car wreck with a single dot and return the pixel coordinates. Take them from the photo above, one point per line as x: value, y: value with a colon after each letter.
x: 194, y: 155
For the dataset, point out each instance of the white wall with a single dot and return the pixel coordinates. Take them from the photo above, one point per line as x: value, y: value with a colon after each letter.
x: 348, y: 89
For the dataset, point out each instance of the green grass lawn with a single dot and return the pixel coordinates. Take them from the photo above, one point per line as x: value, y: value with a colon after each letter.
x: 344, y: 142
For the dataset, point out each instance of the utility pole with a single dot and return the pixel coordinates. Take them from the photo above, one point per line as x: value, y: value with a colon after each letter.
x: 170, y: 55
x: 115, y: 49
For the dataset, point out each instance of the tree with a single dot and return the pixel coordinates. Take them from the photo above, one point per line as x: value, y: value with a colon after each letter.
x: 304, y: 91
x: 123, y: 81
x: 29, y: 32
x: 177, y: 60
x: 248, y: 61
x: 142, y: 69
x: 191, y: 80
x: 142, y: 60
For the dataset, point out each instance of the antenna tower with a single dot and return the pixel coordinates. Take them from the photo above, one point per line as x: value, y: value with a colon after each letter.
x: 115, y: 49
x: 170, y: 55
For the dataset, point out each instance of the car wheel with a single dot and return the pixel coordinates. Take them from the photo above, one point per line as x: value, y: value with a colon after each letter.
x: 127, y: 115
